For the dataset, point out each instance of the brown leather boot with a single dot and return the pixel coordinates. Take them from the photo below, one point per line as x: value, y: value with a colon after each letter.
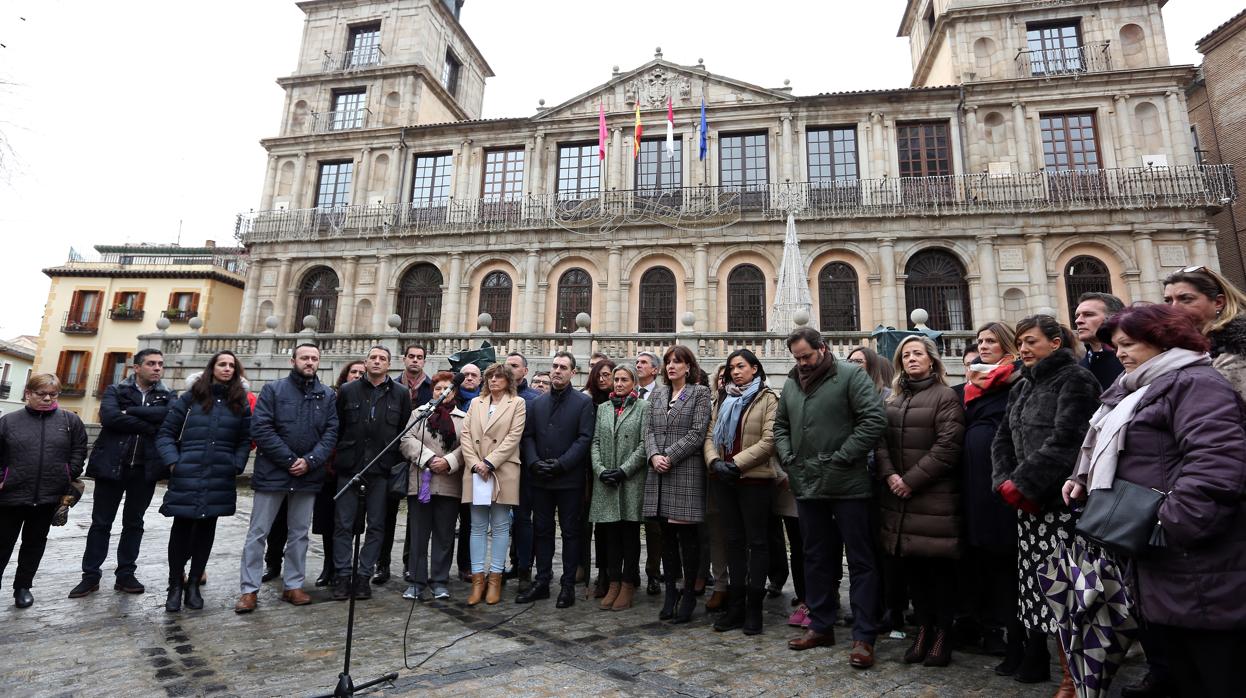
x: 627, y: 591
x: 493, y: 588
x: 716, y: 600
x: 612, y: 593
x: 1066, y: 688
x: 478, y: 589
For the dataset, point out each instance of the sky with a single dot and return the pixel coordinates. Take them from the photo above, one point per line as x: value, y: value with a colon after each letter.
x: 140, y: 121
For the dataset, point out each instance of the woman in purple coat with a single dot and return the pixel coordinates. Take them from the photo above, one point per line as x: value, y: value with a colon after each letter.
x: 1173, y: 423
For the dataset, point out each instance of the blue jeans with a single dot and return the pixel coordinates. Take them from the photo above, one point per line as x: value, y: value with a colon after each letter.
x: 497, y: 518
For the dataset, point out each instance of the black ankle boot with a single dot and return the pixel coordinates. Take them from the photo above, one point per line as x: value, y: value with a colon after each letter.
x: 668, y: 603
x: 193, y: 599
x: 752, y: 611
x: 173, y: 603
x: 1014, y: 650
x: 1036, y: 664
x: 687, y: 603
x: 734, y: 617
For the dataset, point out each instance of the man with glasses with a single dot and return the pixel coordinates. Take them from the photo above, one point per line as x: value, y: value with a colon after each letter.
x: 125, y: 466
x: 540, y: 382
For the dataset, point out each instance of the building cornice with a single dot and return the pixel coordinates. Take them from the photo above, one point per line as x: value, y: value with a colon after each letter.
x: 1104, y: 84
x: 95, y: 272
x: 1222, y: 33
x: 386, y: 71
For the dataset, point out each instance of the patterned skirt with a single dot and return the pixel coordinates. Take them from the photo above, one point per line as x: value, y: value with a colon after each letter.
x: 1038, y: 538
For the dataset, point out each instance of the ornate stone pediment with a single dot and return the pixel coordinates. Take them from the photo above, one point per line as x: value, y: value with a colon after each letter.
x: 652, y: 88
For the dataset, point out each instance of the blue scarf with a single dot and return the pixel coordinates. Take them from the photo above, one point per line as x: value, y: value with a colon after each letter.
x: 465, y: 397
x: 738, y: 400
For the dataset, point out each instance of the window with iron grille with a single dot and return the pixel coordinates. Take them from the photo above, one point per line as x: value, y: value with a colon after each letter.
x: 746, y: 299
x: 503, y: 177
x: 333, y: 184
x: 579, y: 171
x: 656, y: 170
x: 450, y: 74
x: 318, y: 297
x: 364, y: 45
x: 832, y: 154
x: 348, y: 109
x: 1084, y: 274
x: 936, y: 283
x: 431, y: 184
x: 495, y: 299
x: 744, y: 161
x: 1069, y: 141
x: 838, y: 308
x: 657, y: 301
x: 1054, y: 48
x: 575, y: 296
x: 419, y: 299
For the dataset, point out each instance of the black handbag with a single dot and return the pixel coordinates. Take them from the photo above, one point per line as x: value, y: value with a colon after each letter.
x: 399, y: 475
x: 1123, y: 519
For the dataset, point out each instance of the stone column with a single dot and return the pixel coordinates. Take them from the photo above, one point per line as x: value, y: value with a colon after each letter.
x: 1036, y: 257
x: 614, y: 159
x: 700, y: 285
x: 878, y: 154
x: 359, y: 182
x: 538, y: 169
x: 380, y: 304
x: 530, y: 291
x: 1183, y: 152
x: 283, y: 291
x: 250, y: 297
x: 1144, y: 251
x: 391, y: 177
x: 345, y: 321
x: 989, y: 282
x: 865, y: 147
x: 1198, y: 248
x: 1125, y: 133
x: 300, y: 175
x: 974, y: 148
x: 887, y: 275
x: 614, y: 297
x: 270, y: 184
x: 460, y: 184
x: 787, y: 153
x: 1021, y: 134
x: 453, y: 295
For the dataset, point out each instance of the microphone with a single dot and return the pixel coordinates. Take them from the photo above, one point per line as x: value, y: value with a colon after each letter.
x: 458, y: 380
x: 454, y: 386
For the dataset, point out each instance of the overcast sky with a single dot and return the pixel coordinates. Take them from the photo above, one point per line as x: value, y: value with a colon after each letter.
x: 128, y: 120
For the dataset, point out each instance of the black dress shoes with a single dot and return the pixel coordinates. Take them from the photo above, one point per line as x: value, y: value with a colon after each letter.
x: 566, y: 596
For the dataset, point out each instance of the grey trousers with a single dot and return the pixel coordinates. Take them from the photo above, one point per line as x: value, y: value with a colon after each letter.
x: 432, y: 521
x: 298, y: 523
x: 343, y: 530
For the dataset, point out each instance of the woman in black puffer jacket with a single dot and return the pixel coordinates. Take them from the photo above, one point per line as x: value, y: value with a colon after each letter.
x: 204, y: 441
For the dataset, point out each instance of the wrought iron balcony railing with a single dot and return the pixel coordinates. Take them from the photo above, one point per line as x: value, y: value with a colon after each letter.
x: 6, y: 389
x: 73, y: 384
x: 1058, y: 62
x: 81, y: 323
x: 124, y: 313
x: 179, y: 314
x: 340, y: 120
x: 356, y: 59
x: 1033, y: 192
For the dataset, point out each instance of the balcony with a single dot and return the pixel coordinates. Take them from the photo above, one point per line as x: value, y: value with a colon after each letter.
x: 357, y: 59
x: 81, y: 323
x: 1061, y: 62
x: 124, y: 313
x: 6, y: 389
x: 179, y: 314
x: 73, y: 384
x: 341, y: 120
x: 1199, y: 186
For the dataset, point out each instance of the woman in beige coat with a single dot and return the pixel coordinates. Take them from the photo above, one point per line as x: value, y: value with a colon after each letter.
x: 435, y: 452
x: 491, y: 436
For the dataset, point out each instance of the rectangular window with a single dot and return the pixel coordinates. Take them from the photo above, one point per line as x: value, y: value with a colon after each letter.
x: 657, y: 170
x: 183, y: 306
x: 84, y: 313
x: 333, y: 184
x: 744, y: 161
x: 923, y: 149
x: 432, y: 180
x: 1200, y: 155
x: 450, y: 74
x: 116, y: 366
x: 364, y: 46
x: 349, y: 110
x: 1069, y: 142
x: 127, y: 305
x: 832, y: 154
x: 579, y: 172
x: 71, y: 369
x: 503, y: 179
x: 1054, y: 48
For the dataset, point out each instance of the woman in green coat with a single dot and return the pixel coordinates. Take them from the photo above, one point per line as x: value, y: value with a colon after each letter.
x: 619, y: 464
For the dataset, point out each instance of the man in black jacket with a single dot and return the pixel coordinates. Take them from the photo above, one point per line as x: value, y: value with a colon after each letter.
x: 556, y: 442
x: 295, y: 429
x: 371, y: 412
x: 1093, y: 309
x: 125, y: 465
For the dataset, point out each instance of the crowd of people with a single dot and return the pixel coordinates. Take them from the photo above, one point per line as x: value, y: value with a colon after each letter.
x: 946, y: 497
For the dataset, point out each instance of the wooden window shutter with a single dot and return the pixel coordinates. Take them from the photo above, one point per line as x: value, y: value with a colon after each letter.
x: 75, y: 305
x: 84, y: 368
x: 172, y: 301
x: 60, y: 365
x: 140, y: 300
x: 117, y: 299
x: 194, y: 303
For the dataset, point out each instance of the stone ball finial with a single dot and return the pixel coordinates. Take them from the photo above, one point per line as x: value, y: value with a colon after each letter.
x: 583, y: 321
x: 484, y: 321
x: 701, y: 61
x: 614, y: 68
x: 689, y: 319
x: 541, y: 102
x: 163, y: 323
x: 786, y: 82
x: 394, y: 321
x: 919, y: 317
x: 311, y: 322
x: 271, y: 322
x: 195, y: 323
x: 801, y: 318
x: 658, y: 50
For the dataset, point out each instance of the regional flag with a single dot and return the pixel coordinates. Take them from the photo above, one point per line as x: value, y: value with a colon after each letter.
x: 670, y: 128
x: 601, y: 131
x: 636, y: 137
x: 704, y: 129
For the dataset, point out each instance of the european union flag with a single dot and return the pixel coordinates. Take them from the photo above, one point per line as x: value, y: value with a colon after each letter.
x: 704, y: 147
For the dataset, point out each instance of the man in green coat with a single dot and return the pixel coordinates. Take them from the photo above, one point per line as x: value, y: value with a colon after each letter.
x: 830, y: 417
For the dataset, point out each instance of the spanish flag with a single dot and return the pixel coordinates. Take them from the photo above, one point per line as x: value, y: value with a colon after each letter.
x: 636, y: 138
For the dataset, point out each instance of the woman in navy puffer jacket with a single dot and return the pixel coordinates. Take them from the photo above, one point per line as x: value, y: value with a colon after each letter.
x: 204, y: 441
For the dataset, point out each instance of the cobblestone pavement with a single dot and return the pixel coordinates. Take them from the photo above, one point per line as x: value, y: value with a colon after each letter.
x: 112, y: 643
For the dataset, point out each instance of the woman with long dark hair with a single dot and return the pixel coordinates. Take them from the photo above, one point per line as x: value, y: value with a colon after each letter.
x: 204, y: 441
x: 600, y: 382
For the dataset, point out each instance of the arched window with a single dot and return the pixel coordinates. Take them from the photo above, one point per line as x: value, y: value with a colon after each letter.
x: 746, y: 299
x: 575, y: 296
x: 838, y: 308
x: 1084, y: 274
x: 657, y: 301
x: 317, y: 296
x: 419, y: 299
x: 495, y: 299
x: 936, y: 283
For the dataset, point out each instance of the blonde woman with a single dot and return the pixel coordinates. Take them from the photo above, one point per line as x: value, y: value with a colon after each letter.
x: 1216, y: 306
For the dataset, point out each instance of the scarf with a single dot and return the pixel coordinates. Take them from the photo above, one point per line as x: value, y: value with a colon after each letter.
x: 621, y: 402
x: 738, y: 399
x: 465, y: 396
x: 912, y: 386
x: 808, y: 376
x: 1096, y: 462
x: 987, y: 378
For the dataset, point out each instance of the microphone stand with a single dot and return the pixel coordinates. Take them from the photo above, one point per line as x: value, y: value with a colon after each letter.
x: 345, y: 685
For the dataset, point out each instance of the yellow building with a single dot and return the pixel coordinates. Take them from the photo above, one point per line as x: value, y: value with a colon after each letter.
x: 96, y: 310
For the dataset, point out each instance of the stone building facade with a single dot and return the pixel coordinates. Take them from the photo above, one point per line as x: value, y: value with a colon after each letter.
x: 1043, y: 149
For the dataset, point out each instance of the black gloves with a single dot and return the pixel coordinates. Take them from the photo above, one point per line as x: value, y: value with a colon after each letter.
x: 547, y: 468
x: 727, y: 472
x: 613, y: 476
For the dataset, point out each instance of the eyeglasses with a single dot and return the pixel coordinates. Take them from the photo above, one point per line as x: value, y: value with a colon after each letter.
x: 1194, y: 269
x: 48, y: 396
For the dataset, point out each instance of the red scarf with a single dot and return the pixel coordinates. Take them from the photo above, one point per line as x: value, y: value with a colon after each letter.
x: 980, y: 383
